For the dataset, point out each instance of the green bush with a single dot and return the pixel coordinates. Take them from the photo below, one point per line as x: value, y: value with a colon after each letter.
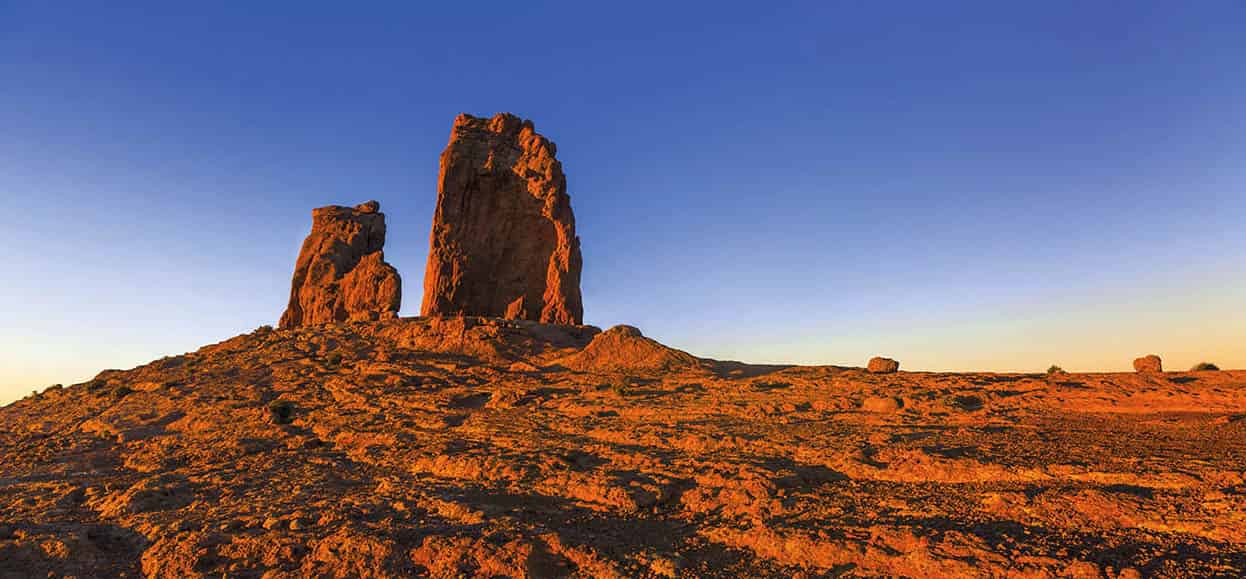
x: 1204, y: 366
x: 1054, y: 369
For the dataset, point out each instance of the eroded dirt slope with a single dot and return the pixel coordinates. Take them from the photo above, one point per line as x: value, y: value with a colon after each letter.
x: 469, y: 447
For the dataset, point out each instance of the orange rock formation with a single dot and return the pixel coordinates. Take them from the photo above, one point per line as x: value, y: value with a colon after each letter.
x: 880, y: 365
x: 341, y: 273
x: 465, y: 446
x: 1148, y: 363
x: 503, y: 242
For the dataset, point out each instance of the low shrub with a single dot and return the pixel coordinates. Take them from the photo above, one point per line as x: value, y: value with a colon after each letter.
x: 966, y: 402
x: 1204, y: 366
x: 281, y: 412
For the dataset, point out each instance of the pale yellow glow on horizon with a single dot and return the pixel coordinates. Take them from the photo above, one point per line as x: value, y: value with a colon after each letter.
x: 1188, y: 322
x: 1191, y: 322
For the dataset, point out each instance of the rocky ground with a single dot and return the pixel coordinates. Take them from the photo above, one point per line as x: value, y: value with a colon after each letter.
x: 474, y: 447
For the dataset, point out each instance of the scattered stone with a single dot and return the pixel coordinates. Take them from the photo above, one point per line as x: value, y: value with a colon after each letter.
x: 668, y: 566
x: 341, y: 274
x: 503, y: 240
x: 523, y: 367
x: 880, y: 365
x: 1150, y: 363
x: 881, y: 404
x: 165, y: 492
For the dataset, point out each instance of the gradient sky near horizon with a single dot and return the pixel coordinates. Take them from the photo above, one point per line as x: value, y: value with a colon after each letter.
x: 960, y: 185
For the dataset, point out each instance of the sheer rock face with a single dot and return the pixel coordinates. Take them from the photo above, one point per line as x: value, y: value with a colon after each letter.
x: 503, y: 241
x: 341, y: 274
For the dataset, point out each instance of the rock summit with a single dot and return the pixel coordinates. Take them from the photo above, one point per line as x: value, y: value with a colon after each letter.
x: 503, y: 241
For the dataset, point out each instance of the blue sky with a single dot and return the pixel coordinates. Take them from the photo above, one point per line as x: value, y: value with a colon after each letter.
x: 962, y: 185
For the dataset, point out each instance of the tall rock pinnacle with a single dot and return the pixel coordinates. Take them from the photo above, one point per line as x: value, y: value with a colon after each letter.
x: 341, y: 274
x: 503, y: 240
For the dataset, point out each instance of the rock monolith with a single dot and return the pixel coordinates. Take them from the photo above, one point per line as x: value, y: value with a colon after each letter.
x: 341, y: 274
x: 503, y: 242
